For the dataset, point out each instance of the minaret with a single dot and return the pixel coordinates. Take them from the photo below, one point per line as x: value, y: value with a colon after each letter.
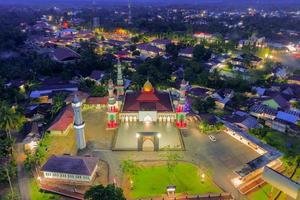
x: 120, y: 80
x: 129, y: 12
x: 78, y: 123
x: 180, y: 112
x: 112, y: 107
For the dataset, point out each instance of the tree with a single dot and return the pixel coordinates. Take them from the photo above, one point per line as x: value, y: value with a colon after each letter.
x: 200, y: 53
x: 130, y: 167
x: 10, y: 119
x: 172, y: 49
x: 110, y: 192
x: 201, y: 105
x: 98, y: 91
x: 172, y: 158
x: 58, y: 103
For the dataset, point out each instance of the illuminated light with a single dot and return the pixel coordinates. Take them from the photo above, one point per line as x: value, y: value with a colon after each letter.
x: 32, y: 145
x: 137, y: 135
x: 236, y: 181
x: 202, y: 175
x: 158, y: 135
x: 39, y: 178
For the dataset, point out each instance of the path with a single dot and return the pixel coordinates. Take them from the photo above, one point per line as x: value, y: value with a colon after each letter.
x: 23, y: 180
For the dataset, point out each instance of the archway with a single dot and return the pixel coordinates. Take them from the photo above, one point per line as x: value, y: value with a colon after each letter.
x: 148, y: 141
x: 148, y: 119
x: 148, y: 144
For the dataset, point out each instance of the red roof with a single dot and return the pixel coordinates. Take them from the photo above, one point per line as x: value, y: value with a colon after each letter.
x: 97, y: 100
x: 139, y: 101
x: 147, y: 97
x: 63, y: 120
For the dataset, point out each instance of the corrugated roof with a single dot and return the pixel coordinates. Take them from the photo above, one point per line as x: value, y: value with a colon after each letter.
x: 287, y: 117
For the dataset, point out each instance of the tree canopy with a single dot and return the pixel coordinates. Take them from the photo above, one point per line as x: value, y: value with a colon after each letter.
x: 110, y: 192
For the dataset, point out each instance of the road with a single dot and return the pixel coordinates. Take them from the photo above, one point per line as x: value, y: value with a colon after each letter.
x: 23, y: 179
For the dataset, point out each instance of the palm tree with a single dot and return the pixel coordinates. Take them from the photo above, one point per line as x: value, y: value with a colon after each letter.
x: 9, y: 119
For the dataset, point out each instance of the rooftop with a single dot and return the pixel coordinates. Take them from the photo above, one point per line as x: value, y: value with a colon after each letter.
x: 71, y: 165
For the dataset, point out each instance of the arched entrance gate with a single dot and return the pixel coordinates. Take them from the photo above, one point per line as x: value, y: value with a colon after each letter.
x: 148, y: 141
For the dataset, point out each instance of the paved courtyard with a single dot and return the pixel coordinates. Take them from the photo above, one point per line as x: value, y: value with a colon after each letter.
x: 126, y: 135
x: 219, y: 158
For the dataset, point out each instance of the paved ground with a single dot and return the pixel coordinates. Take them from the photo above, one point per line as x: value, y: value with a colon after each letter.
x: 126, y: 135
x: 220, y: 158
x: 23, y: 180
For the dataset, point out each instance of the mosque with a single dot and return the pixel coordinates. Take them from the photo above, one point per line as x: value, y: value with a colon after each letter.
x: 147, y: 105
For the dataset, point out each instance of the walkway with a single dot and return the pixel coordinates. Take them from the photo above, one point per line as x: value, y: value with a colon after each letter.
x: 23, y: 179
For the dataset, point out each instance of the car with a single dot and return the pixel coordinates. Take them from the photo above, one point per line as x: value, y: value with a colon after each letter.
x: 212, y: 138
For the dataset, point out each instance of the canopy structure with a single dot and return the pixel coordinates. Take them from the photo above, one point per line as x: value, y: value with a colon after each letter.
x: 282, y: 182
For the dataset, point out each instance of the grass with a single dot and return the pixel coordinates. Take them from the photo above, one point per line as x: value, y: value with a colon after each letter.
x: 152, y: 181
x: 36, y: 194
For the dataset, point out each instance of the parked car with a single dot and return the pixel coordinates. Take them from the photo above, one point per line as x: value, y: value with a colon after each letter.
x: 212, y: 138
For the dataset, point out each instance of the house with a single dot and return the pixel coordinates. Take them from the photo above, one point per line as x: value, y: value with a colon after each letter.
x: 243, y: 120
x: 187, y: 52
x: 288, y: 117
x: 254, y: 60
x: 46, y: 89
x: 294, y: 80
x: 199, y: 92
x: 259, y: 90
x: 63, y: 122
x: 203, y: 36
x: 222, y: 97
x: 285, y: 122
x: 74, y: 170
x: 161, y: 43
x: 263, y: 112
x: 279, y: 72
x: 66, y: 32
x: 239, y: 68
x: 96, y: 75
x: 210, y: 119
x: 96, y: 102
x: 277, y: 101
x: 237, y: 61
x: 148, y: 50
x: 64, y: 55
x: 253, y: 41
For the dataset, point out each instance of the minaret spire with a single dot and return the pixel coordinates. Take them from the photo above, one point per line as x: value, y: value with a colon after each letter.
x: 120, y: 80
x: 112, y: 106
x: 180, y: 111
x: 78, y: 123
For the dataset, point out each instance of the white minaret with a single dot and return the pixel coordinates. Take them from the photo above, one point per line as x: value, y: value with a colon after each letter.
x: 78, y: 123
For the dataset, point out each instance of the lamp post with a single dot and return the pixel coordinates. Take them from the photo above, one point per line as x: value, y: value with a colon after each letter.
x: 202, y: 177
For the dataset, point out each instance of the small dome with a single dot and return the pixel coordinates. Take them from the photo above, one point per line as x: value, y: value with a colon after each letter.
x: 148, y: 87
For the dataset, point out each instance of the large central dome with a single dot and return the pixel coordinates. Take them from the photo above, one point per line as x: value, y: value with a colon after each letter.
x: 148, y: 87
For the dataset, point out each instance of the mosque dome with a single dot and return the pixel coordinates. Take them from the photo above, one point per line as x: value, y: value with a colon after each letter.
x: 148, y: 87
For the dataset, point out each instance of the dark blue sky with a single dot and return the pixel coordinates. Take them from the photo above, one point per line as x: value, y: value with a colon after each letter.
x: 156, y: 1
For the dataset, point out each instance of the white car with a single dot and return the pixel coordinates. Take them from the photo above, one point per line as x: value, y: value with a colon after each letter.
x: 212, y: 138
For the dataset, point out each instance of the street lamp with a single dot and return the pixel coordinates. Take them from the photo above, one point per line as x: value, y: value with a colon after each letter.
x: 202, y: 177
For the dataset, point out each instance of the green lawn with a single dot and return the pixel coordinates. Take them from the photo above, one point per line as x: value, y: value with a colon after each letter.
x: 36, y: 194
x: 152, y: 181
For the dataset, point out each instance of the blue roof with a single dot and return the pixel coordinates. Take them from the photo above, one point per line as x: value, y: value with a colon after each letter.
x: 287, y: 117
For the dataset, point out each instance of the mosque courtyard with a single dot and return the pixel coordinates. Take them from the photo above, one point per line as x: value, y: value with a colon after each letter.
x: 127, y: 136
